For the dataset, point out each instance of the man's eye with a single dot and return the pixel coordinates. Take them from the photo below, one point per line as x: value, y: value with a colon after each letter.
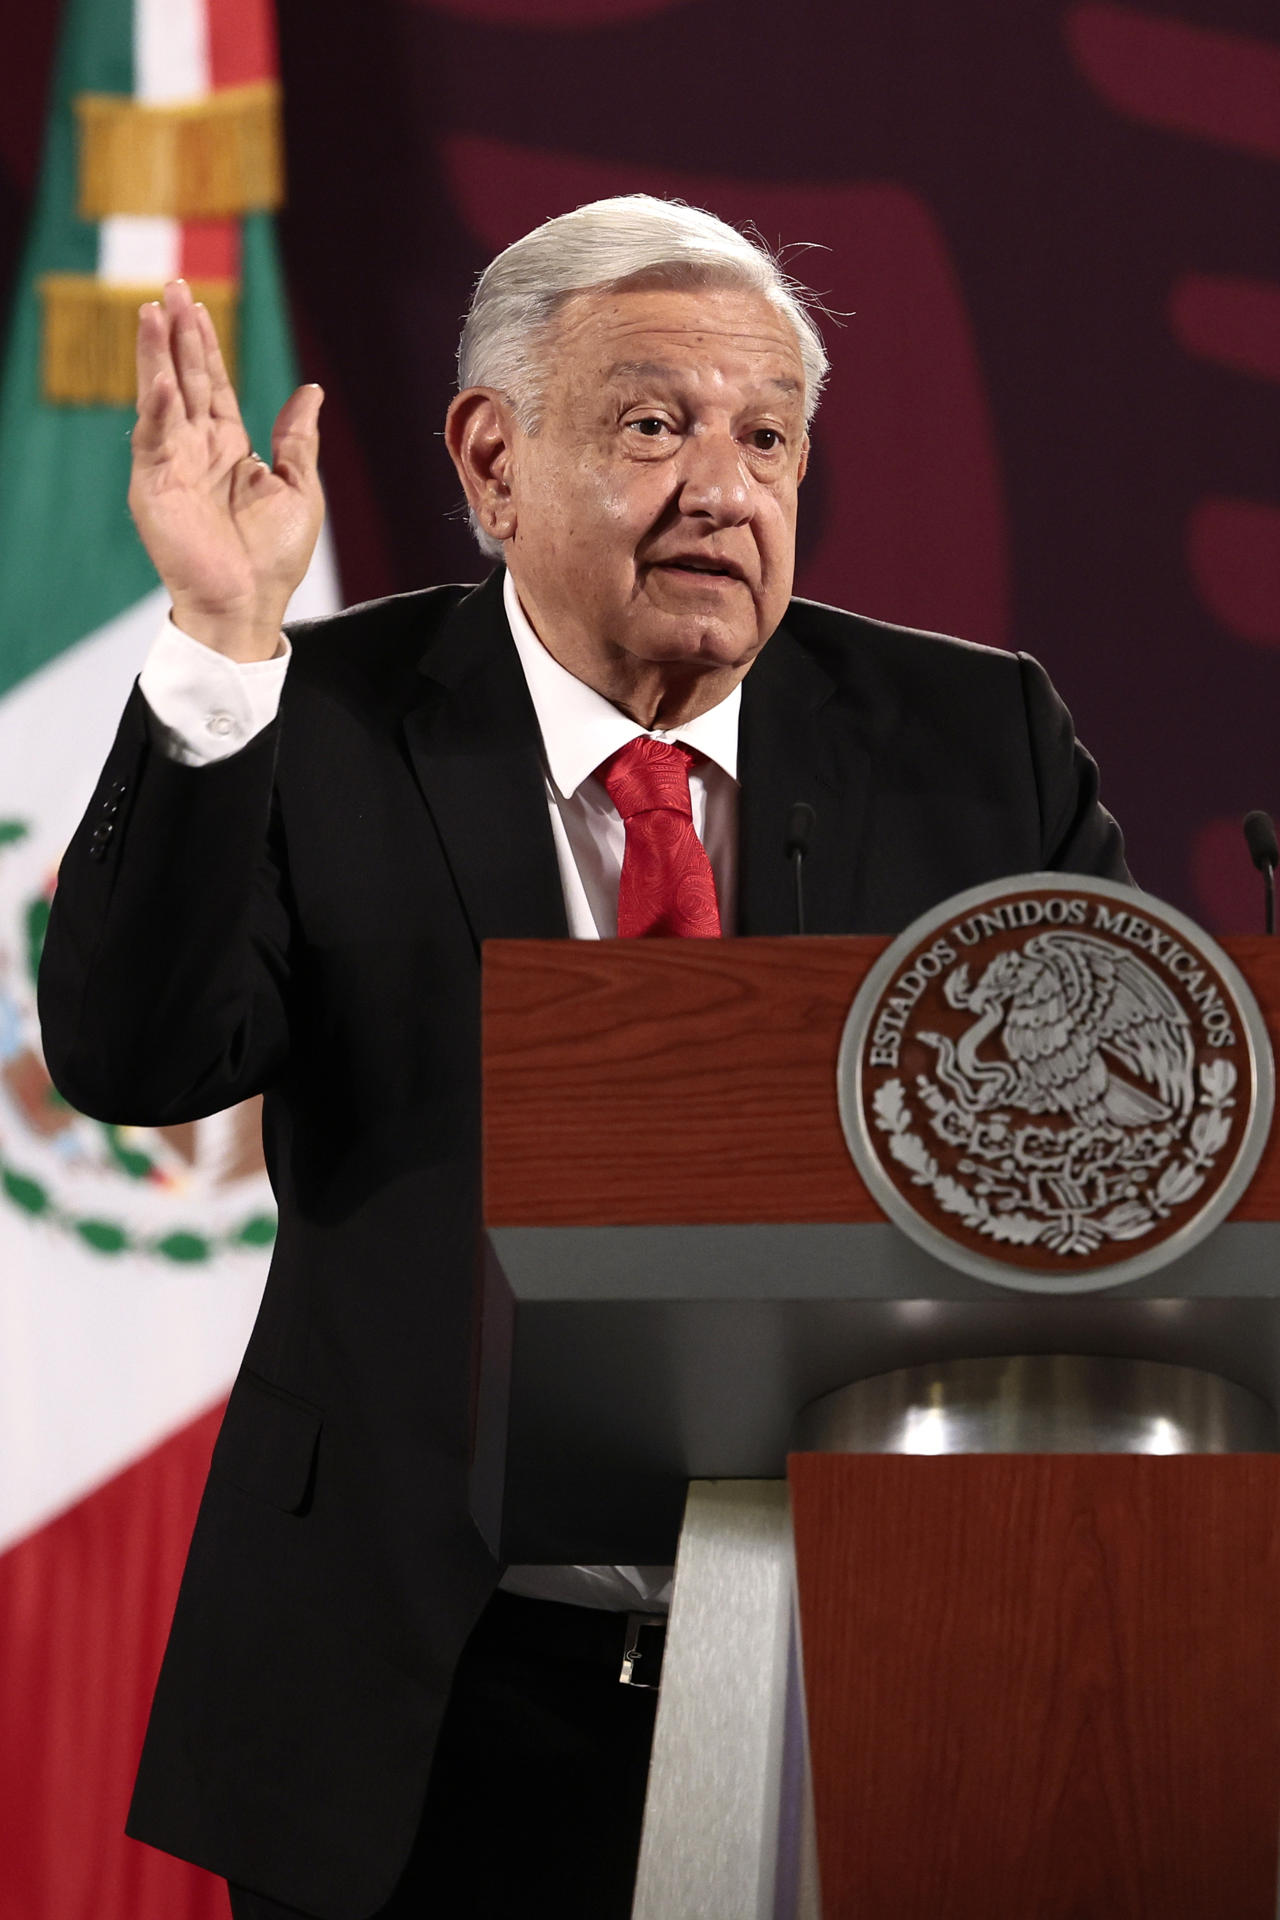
x: 650, y: 426
x: 766, y: 439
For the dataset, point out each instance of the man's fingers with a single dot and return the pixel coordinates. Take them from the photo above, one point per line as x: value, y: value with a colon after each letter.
x: 190, y: 357
x: 295, y: 438
x: 248, y: 478
x: 159, y: 409
x: 152, y: 352
x: 223, y: 404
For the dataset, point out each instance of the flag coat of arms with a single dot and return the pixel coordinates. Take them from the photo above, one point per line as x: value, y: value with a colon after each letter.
x: 131, y: 1260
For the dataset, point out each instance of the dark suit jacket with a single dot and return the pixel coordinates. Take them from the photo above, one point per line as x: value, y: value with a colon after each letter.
x: 306, y: 919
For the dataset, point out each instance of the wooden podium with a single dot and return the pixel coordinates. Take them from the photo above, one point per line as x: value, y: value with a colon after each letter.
x: 1035, y: 1684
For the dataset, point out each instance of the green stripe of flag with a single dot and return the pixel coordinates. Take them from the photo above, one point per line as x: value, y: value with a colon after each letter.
x: 69, y: 558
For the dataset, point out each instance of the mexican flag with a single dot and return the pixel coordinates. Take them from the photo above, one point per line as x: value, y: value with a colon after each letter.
x: 131, y: 1261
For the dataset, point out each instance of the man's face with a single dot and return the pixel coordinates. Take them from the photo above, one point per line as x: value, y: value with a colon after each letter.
x: 654, y: 509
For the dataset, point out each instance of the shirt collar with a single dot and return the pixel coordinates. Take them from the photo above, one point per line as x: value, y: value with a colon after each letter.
x: 580, y: 728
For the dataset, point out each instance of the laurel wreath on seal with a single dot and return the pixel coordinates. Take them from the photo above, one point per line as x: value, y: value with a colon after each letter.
x: 1064, y: 1229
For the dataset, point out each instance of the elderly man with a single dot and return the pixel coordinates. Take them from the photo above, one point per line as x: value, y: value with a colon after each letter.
x: 282, y: 885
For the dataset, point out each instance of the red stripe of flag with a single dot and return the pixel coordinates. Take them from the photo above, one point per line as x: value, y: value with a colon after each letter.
x: 210, y: 250
x: 242, y: 42
x: 85, y: 1605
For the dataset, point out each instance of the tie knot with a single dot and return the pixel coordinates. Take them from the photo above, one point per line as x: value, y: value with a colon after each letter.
x: 648, y: 776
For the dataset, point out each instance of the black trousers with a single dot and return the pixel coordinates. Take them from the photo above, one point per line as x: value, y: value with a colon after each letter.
x: 537, y: 1789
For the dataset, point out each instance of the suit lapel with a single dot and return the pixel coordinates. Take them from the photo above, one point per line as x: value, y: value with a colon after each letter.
x: 474, y: 745
x: 798, y: 742
x: 475, y: 749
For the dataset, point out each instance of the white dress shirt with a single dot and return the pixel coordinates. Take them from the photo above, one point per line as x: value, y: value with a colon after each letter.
x: 580, y: 730
x: 209, y: 707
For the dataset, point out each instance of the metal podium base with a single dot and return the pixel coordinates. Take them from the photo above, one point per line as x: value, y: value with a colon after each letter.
x: 1040, y: 1403
x: 727, y: 1828
x: 728, y: 1822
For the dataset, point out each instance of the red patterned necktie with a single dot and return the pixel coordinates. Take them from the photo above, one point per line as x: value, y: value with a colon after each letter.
x: 667, y: 885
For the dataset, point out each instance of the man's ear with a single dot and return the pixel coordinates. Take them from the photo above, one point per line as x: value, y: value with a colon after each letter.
x: 478, y: 432
x: 803, y: 467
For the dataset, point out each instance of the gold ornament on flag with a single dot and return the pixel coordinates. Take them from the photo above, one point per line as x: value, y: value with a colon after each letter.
x: 87, y: 344
x: 209, y: 159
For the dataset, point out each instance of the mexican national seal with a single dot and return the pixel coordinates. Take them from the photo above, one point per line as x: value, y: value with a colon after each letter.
x: 1055, y: 1084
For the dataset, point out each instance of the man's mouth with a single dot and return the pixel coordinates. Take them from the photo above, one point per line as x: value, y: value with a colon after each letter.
x: 695, y: 568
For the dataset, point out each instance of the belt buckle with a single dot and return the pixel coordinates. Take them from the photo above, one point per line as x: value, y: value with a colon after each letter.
x: 642, y: 1654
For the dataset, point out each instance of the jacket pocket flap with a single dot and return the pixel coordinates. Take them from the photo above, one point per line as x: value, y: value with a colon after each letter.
x: 267, y: 1446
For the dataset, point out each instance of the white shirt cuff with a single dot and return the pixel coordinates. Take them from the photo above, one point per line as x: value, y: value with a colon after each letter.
x: 208, y: 706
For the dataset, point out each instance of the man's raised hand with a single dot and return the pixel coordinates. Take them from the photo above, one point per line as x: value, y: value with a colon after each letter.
x: 230, y: 536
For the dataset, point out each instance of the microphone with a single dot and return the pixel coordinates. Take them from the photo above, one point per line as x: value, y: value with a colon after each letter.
x: 1260, y: 838
x: 801, y: 822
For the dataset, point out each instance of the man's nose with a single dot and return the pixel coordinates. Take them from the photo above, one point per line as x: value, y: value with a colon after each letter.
x: 714, y: 480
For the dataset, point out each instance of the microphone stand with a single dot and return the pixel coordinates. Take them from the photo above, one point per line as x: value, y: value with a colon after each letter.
x: 1260, y: 837
x: 800, y: 824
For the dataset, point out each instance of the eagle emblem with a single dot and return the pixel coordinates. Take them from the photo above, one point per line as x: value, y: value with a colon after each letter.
x: 1087, y: 1031
x: 1054, y: 1080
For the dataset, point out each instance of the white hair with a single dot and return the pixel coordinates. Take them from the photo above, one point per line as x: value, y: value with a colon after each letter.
x: 634, y: 240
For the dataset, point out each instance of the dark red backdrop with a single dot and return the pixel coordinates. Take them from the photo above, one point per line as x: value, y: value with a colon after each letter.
x: 1053, y: 416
